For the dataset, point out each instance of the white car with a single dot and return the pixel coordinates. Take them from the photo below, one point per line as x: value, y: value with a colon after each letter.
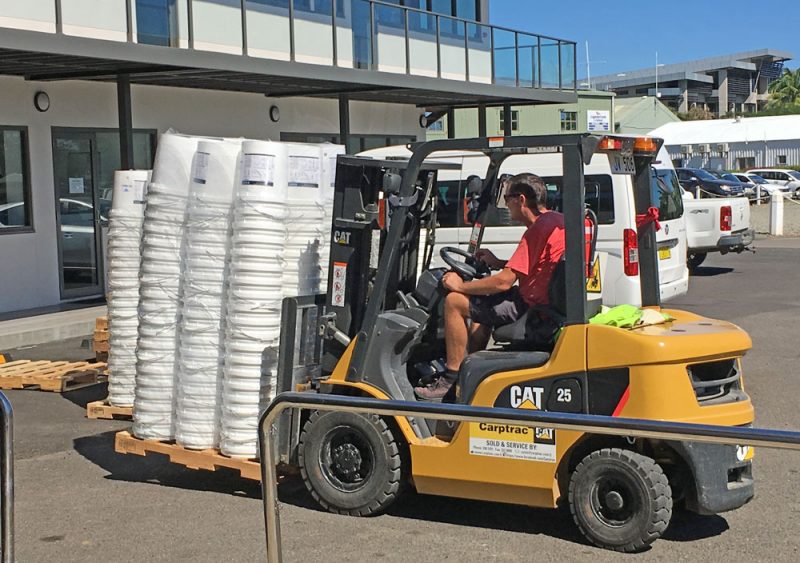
x: 782, y: 176
x: 768, y: 187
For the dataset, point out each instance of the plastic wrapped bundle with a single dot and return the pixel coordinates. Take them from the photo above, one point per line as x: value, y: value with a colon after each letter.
x: 124, y: 255
x: 254, y: 295
x: 160, y: 288
x: 204, y: 287
x: 305, y: 228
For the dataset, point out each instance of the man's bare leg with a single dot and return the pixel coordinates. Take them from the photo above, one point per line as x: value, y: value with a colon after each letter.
x: 456, y: 334
x: 478, y: 337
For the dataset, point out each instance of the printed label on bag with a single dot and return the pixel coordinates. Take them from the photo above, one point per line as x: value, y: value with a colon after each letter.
x: 258, y: 170
x: 304, y: 172
x: 200, y: 172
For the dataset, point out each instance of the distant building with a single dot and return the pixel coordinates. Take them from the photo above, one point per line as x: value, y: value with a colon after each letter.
x: 728, y: 83
x: 641, y: 115
x: 736, y: 144
x: 594, y: 111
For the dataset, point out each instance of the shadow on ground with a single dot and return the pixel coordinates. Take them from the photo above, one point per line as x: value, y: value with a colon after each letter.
x: 688, y: 526
x: 156, y: 469
x: 709, y: 271
x: 84, y: 396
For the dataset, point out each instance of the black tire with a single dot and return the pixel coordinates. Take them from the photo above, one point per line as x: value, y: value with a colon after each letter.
x: 694, y: 259
x: 620, y: 500
x: 351, y: 464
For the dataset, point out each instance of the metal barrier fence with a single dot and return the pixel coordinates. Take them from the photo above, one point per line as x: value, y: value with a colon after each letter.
x: 6, y: 481
x: 594, y: 424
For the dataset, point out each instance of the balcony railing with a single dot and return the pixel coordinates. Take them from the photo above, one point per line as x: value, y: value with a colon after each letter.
x: 362, y: 34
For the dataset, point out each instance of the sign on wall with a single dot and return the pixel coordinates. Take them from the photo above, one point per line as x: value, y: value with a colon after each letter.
x: 598, y: 120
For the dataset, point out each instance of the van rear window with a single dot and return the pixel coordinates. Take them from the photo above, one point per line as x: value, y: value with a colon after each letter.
x: 599, y: 196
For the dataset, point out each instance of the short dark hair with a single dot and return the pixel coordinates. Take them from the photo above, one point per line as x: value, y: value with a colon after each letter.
x: 531, y: 186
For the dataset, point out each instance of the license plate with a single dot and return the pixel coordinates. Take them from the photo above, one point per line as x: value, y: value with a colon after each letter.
x: 622, y: 164
x: 664, y: 253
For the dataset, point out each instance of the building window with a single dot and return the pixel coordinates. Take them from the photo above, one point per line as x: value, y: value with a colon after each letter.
x: 514, y: 120
x: 782, y: 159
x: 569, y: 120
x: 157, y: 22
x: 15, y: 195
x: 743, y: 163
x: 437, y: 125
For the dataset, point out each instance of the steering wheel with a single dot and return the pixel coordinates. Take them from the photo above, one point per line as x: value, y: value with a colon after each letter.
x: 469, y: 268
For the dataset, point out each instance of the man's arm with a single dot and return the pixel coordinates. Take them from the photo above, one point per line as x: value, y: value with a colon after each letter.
x: 501, y: 281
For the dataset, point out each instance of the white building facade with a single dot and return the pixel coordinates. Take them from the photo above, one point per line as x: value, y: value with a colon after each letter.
x: 86, y: 87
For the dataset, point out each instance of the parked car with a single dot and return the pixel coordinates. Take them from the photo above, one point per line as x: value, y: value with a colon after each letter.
x: 748, y: 187
x: 697, y: 180
x: 763, y: 185
x: 788, y: 178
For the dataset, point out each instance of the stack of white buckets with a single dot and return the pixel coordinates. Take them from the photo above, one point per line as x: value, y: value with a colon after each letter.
x: 204, y: 278
x: 160, y: 290
x: 254, y: 295
x: 124, y: 255
x: 213, y: 279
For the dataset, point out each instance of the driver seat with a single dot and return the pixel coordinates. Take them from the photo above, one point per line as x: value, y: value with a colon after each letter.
x: 535, y: 329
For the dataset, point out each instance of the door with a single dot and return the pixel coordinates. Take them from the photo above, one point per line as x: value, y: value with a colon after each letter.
x: 84, y: 161
x: 77, y: 215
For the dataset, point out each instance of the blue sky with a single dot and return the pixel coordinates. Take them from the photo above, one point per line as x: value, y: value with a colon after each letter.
x: 626, y: 34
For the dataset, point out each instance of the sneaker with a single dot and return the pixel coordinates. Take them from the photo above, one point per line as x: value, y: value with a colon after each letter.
x: 436, y: 390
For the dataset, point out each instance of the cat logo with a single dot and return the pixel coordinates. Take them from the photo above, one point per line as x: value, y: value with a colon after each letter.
x: 526, y: 397
x: 593, y: 284
x: 342, y: 237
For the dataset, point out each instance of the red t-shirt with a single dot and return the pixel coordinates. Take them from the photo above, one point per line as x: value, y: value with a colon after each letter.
x: 536, y: 257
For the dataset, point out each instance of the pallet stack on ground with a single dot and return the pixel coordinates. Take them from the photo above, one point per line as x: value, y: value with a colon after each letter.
x: 45, y: 375
x: 210, y: 459
x: 100, y: 343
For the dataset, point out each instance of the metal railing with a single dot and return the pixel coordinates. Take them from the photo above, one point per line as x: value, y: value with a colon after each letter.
x: 433, y: 44
x: 6, y: 481
x: 463, y: 413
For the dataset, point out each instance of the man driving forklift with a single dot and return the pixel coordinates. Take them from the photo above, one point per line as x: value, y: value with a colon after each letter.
x: 498, y: 300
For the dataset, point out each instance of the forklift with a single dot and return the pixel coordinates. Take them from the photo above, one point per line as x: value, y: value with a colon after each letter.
x: 379, y: 333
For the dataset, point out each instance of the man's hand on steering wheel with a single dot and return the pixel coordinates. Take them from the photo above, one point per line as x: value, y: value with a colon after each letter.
x: 487, y: 257
x: 451, y: 281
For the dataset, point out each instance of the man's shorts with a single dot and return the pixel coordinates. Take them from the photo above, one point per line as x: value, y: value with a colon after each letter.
x: 498, y: 309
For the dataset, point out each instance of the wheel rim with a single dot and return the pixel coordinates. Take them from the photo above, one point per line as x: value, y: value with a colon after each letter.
x: 346, y: 459
x: 614, y: 501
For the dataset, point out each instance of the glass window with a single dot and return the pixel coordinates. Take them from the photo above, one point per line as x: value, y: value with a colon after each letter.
x: 15, y: 199
x: 666, y: 194
x: 514, y: 120
x: 467, y: 9
x: 782, y: 159
x: 156, y: 22
x: 569, y: 120
x: 313, y: 6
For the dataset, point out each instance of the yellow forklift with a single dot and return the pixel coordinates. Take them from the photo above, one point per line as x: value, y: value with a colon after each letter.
x: 379, y: 332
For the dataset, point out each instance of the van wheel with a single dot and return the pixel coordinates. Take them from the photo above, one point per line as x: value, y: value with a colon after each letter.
x: 351, y: 464
x: 620, y: 500
x: 694, y: 259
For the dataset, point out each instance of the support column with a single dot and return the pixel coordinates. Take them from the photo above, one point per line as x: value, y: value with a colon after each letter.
x: 125, y: 121
x: 451, y: 123
x: 722, y: 93
x: 684, y: 87
x: 507, y: 130
x: 481, y: 120
x: 344, y: 123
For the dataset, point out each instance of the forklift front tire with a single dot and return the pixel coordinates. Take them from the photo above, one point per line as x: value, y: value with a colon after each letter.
x: 620, y: 500
x: 350, y: 463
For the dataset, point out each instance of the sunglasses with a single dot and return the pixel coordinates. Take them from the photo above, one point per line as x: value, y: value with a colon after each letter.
x: 507, y: 197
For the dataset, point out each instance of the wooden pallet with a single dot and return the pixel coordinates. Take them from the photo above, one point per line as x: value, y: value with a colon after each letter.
x: 58, y: 377
x: 210, y: 460
x: 100, y: 343
x: 103, y: 409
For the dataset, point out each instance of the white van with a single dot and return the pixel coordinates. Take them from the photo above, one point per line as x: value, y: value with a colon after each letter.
x: 609, y: 195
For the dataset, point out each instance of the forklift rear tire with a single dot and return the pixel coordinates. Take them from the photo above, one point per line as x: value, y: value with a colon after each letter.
x: 620, y: 500
x: 351, y: 464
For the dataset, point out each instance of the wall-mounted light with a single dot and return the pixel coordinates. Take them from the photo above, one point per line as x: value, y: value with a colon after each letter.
x: 274, y: 114
x: 41, y: 101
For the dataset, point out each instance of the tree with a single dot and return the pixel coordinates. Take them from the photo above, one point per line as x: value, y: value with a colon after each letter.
x: 785, y: 91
